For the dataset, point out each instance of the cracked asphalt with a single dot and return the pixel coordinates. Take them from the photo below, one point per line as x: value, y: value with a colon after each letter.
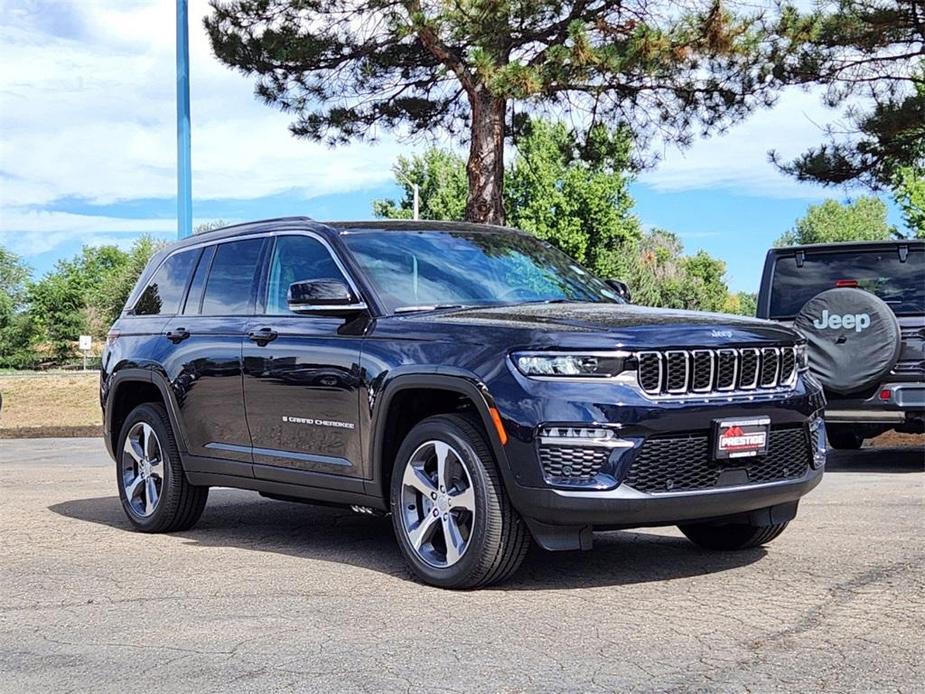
x: 270, y: 596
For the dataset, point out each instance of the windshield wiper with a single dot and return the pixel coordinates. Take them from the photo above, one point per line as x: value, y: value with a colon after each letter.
x: 431, y: 307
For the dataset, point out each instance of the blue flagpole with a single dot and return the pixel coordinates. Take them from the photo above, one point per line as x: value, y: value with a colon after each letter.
x: 184, y: 166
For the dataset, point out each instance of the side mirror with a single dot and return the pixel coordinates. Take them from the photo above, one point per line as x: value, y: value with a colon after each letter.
x: 621, y: 288
x: 327, y: 296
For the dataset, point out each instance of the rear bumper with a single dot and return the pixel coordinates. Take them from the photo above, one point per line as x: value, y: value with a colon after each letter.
x: 893, y: 403
x: 625, y: 507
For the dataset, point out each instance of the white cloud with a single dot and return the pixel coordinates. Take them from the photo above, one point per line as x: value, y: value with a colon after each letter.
x: 738, y: 159
x: 92, y: 115
x: 87, y: 111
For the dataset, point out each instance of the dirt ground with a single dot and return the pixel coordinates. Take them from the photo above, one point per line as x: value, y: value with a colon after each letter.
x: 43, y: 405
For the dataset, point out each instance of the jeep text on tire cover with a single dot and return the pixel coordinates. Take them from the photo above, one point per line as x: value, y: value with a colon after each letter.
x: 472, y: 382
x: 861, y: 308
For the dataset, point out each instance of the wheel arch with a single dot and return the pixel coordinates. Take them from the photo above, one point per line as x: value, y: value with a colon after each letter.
x: 131, y: 387
x: 446, y: 386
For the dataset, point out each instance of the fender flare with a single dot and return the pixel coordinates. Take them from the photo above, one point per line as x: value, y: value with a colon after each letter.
x: 129, y: 375
x: 453, y: 379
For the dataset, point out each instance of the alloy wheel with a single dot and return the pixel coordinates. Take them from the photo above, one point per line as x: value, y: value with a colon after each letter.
x: 142, y: 469
x: 437, y: 504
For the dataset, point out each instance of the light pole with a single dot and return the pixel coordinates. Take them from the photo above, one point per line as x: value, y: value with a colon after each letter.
x: 184, y: 166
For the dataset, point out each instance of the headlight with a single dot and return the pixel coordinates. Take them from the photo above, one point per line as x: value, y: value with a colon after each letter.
x: 568, y: 365
x: 802, y: 357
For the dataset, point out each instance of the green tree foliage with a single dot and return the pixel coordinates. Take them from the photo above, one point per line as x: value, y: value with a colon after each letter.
x: 909, y: 194
x: 743, y: 303
x: 349, y: 69
x: 659, y: 274
x: 573, y: 192
x: 831, y: 221
x: 863, y: 51
x: 441, y: 179
x: 85, y: 294
x: 568, y: 190
x: 17, y: 332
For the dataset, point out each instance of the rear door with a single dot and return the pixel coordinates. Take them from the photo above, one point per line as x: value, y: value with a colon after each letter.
x: 205, y: 367
x: 301, y: 384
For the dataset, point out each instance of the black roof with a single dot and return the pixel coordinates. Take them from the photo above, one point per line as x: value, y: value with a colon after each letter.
x: 308, y: 222
x: 848, y: 245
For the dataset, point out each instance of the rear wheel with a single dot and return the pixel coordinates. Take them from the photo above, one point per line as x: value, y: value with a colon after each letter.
x: 155, y: 494
x: 844, y: 437
x: 451, y: 515
x: 732, y: 536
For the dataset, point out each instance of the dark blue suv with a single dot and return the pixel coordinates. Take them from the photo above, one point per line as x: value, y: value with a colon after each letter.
x: 472, y: 381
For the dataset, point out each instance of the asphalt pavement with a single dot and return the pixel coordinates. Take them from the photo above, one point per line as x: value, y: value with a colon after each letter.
x: 271, y: 596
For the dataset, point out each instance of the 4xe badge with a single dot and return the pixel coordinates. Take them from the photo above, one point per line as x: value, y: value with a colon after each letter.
x: 741, y: 438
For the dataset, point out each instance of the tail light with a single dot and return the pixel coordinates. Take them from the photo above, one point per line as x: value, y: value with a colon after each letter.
x: 846, y: 283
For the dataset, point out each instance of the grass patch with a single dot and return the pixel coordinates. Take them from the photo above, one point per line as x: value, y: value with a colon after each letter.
x: 50, y: 404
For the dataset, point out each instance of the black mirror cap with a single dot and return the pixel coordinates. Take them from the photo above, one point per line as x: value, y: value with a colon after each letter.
x: 621, y: 288
x: 322, y: 296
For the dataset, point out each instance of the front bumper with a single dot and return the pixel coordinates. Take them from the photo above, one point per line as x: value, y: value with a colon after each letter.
x: 625, y: 507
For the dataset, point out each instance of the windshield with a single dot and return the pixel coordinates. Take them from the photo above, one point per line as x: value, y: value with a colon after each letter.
x: 423, y: 270
x: 900, y: 284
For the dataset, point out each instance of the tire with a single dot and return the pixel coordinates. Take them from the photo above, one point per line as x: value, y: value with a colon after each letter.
x: 731, y: 537
x: 177, y: 503
x: 493, y: 537
x: 844, y: 438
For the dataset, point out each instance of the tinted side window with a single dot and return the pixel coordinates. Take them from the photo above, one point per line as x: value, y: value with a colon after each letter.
x: 295, y: 259
x: 194, y: 295
x: 231, y: 280
x: 165, y: 290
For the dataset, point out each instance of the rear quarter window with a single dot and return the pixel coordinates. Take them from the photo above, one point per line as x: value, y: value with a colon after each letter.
x: 880, y: 271
x: 163, y: 293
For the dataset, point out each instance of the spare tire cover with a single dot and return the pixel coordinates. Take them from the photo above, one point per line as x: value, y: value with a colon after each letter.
x: 853, y: 338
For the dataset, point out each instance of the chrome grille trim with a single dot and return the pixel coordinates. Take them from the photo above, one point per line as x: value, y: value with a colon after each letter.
x: 705, y: 372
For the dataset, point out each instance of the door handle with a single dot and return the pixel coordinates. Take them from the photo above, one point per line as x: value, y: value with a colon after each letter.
x: 262, y: 336
x: 177, y: 335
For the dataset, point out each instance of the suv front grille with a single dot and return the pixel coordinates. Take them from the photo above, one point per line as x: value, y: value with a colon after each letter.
x: 715, y: 371
x: 684, y: 463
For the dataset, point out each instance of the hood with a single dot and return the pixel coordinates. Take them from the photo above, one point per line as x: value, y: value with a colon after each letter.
x: 617, y: 325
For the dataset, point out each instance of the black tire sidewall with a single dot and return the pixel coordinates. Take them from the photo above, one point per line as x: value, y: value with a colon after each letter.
x: 155, y: 417
x: 448, y: 432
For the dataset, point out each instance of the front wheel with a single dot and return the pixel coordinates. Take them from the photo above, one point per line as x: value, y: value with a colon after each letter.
x: 732, y: 536
x: 155, y: 494
x: 451, y: 515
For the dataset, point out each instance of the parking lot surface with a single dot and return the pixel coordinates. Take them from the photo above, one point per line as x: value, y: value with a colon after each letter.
x: 270, y: 596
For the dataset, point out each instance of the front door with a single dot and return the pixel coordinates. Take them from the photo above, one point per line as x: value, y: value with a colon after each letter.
x: 301, y: 373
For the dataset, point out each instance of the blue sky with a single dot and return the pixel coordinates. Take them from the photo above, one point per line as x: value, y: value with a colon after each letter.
x: 87, y: 147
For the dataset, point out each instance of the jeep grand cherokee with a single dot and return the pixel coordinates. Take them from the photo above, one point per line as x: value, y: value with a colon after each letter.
x: 472, y: 381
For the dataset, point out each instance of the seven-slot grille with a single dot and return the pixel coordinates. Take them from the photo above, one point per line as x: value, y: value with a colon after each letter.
x: 714, y: 371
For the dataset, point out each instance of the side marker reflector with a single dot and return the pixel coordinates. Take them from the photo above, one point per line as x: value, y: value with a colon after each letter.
x: 499, y: 425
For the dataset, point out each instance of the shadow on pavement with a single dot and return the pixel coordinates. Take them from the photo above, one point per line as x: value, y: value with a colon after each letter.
x: 244, y: 521
x: 908, y: 459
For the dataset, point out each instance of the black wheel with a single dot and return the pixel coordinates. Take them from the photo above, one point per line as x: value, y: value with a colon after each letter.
x: 451, y: 515
x: 732, y: 536
x: 844, y: 437
x: 154, y: 492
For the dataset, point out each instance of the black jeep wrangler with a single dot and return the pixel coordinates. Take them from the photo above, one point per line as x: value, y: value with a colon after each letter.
x: 861, y: 307
x: 472, y: 381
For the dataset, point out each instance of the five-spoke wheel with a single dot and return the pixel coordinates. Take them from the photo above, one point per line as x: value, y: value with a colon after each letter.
x: 153, y: 488
x: 452, y: 518
x: 438, y: 503
x: 142, y: 469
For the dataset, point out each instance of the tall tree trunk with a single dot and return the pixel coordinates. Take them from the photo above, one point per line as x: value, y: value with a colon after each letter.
x: 485, y: 168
